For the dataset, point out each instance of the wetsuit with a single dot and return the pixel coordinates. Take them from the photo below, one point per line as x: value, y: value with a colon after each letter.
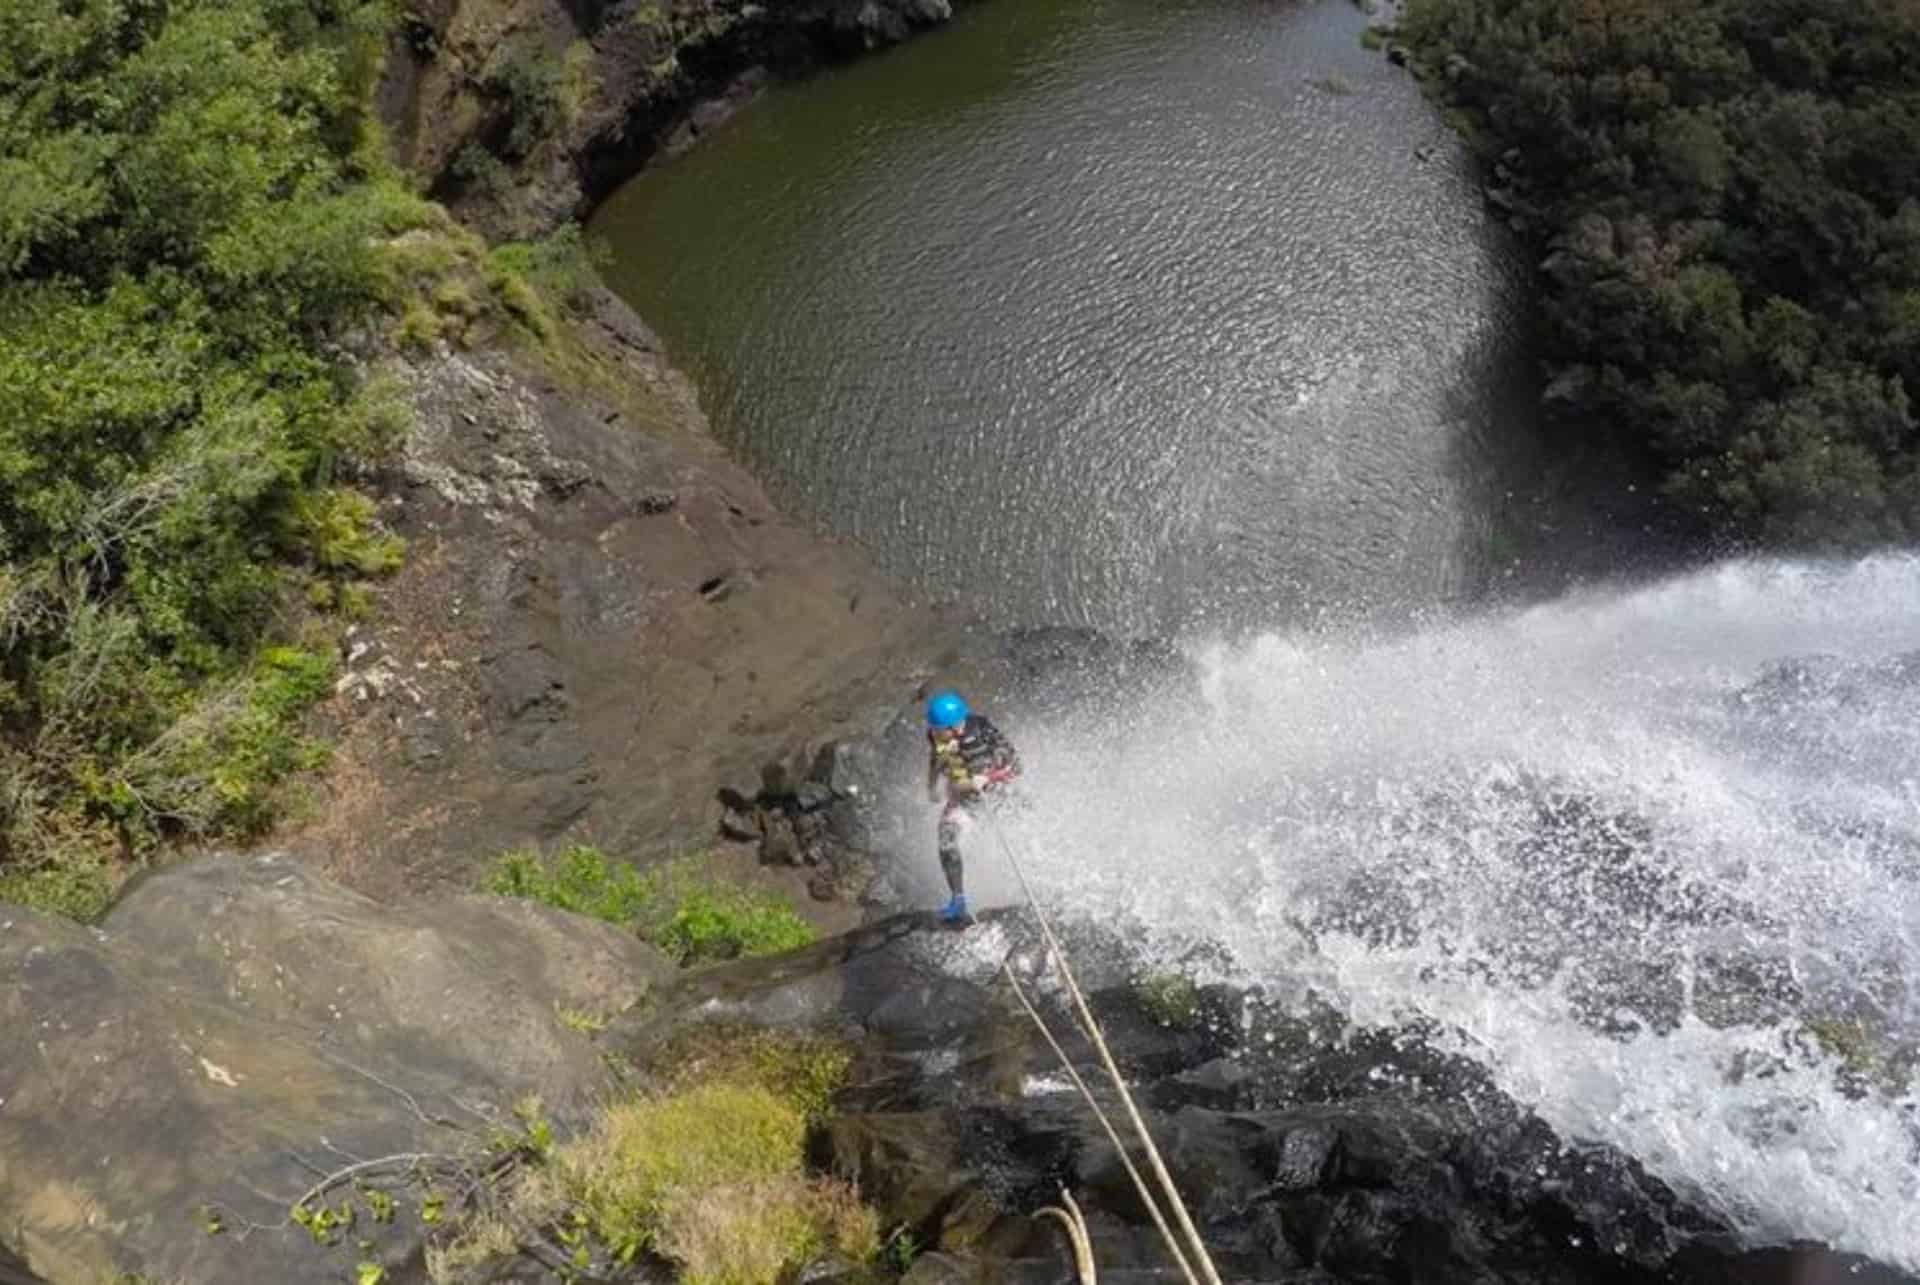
x: 975, y: 764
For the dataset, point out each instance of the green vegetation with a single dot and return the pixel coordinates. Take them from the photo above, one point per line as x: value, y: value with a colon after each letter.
x: 690, y: 1171
x: 1727, y: 196
x: 189, y: 212
x: 1869, y: 1059
x: 1168, y: 999
x: 676, y: 905
x: 194, y: 213
x: 563, y: 267
x: 804, y: 1071
x: 709, y: 1174
x: 528, y: 81
x: 580, y: 1020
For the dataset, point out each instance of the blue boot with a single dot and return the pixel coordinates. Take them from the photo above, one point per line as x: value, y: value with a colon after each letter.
x: 955, y: 911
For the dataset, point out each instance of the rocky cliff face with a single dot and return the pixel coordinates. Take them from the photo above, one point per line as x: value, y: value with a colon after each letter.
x: 601, y: 621
x: 521, y: 112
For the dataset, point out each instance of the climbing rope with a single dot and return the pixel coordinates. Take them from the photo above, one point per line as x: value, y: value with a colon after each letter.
x: 1113, y: 1135
x: 1091, y: 1029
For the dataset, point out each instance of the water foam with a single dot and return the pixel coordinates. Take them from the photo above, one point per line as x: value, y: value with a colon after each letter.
x: 1627, y: 850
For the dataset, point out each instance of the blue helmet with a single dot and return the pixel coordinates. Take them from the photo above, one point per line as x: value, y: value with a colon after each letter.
x: 946, y: 709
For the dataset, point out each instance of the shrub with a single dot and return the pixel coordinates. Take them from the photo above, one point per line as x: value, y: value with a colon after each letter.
x: 565, y: 266
x: 217, y: 768
x: 708, y: 1172
x: 530, y: 83
x: 80, y: 888
x: 676, y: 905
x: 418, y: 329
x: 719, y: 921
x: 643, y: 1157
x: 478, y: 170
x: 337, y: 529
x: 755, y: 1233
x: 187, y: 218
x: 581, y: 879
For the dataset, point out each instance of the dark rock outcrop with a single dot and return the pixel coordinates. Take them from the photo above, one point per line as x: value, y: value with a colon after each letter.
x: 818, y: 812
x: 1305, y: 1158
x: 172, y: 1081
x: 523, y: 112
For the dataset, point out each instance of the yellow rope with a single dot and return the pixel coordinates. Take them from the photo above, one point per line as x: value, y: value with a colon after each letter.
x: 1113, y: 1135
x: 1092, y: 1030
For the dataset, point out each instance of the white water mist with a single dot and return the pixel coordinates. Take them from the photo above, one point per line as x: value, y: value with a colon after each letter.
x: 1629, y: 851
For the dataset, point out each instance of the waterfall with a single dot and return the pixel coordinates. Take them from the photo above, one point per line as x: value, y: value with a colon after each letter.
x: 1652, y: 857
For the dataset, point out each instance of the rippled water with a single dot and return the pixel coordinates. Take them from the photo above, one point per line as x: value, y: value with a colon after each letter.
x: 1651, y: 857
x: 1142, y: 314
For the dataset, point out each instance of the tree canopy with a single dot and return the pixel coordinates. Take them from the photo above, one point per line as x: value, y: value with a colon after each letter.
x: 188, y: 210
x: 1726, y: 195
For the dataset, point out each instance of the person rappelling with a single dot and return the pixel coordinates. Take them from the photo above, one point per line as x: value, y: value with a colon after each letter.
x: 970, y: 764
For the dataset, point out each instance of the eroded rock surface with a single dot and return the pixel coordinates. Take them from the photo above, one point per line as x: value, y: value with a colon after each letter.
x: 238, y: 1027
x: 600, y: 619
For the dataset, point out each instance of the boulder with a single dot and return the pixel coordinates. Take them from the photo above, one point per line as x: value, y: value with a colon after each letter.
x: 238, y: 1028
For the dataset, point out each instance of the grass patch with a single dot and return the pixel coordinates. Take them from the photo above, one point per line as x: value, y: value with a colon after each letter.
x: 804, y: 1071
x: 677, y: 906
x: 565, y: 266
x: 708, y: 1175
x: 80, y: 888
x: 577, y: 1019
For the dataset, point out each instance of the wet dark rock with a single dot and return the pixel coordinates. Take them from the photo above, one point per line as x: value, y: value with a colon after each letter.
x: 1373, y: 1160
x: 1217, y: 1083
x: 813, y: 809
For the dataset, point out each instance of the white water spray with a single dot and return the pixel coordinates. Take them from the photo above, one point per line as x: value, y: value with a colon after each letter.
x: 1652, y: 858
